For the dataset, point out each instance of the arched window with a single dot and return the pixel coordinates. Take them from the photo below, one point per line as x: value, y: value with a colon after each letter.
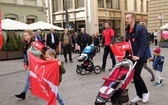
x: 31, y: 19
x: 11, y: 16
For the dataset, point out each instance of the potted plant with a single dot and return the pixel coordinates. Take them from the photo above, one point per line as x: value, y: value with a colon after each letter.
x: 14, y: 47
x: 163, y: 43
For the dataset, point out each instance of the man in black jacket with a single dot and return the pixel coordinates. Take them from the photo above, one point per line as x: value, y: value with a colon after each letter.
x: 52, y: 39
x: 83, y: 39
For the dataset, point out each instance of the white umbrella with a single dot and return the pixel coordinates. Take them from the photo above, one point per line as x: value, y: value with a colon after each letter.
x: 8, y: 24
x: 164, y: 27
x: 44, y: 25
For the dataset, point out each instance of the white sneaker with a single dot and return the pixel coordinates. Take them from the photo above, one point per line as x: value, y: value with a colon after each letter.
x: 145, y: 97
x: 136, y: 99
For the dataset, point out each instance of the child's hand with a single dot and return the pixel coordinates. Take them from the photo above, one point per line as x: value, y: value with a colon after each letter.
x: 59, y: 62
x: 162, y: 60
x: 150, y: 59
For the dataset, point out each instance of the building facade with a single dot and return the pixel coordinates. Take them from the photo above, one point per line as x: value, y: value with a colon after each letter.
x: 27, y: 11
x: 157, y: 15
x: 92, y: 14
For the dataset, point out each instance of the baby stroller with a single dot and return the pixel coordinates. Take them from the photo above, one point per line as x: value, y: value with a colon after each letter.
x: 114, y: 89
x: 87, y: 58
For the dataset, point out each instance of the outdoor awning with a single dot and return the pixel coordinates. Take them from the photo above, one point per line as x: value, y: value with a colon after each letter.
x: 8, y: 24
x: 164, y: 27
x: 44, y: 26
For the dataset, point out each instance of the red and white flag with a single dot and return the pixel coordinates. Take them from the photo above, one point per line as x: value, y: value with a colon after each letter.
x: 120, y: 49
x: 1, y: 37
x: 44, y: 78
x: 38, y: 45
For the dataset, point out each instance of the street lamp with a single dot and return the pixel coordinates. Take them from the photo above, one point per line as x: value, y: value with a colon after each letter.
x: 67, y: 14
x: 161, y: 17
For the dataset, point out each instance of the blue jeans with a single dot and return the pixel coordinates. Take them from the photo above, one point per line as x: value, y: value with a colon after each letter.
x: 60, y: 99
x: 27, y: 85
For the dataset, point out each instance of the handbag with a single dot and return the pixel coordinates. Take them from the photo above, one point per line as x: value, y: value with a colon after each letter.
x: 77, y: 47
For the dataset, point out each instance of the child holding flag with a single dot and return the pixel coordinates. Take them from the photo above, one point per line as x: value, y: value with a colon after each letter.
x: 50, y: 55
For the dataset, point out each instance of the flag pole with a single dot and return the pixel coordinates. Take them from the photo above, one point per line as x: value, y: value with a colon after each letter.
x: 1, y: 37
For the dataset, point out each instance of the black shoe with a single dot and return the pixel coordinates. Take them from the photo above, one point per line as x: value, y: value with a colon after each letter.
x: 22, y: 95
x: 71, y: 61
x: 103, y: 69
x: 66, y: 61
x: 152, y: 79
x: 110, y: 69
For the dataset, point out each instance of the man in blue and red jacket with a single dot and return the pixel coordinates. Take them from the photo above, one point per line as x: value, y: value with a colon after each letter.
x: 138, y: 37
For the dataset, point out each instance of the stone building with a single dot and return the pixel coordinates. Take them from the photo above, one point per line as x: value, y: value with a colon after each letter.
x: 157, y: 15
x: 27, y: 11
x: 92, y: 14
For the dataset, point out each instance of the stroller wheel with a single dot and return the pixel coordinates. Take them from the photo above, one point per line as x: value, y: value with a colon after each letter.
x: 78, y: 70
x: 83, y: 72
x: 97, y: 69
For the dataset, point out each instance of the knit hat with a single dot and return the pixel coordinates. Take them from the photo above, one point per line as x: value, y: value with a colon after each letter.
x: 157, y: 50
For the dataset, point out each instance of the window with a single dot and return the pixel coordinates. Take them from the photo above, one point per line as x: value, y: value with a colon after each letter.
x: 109, y: 4
x: 67, y: 4
x: 135, y: 5
x: 79, y: 3
x: 117, y: 4
x: 11, y: 16
x: 57, y: 5
x: 141, y: 5
x: 101, y: 3
x: 80, y: 24
x: 125, y: 4
x: 30, y: 20
x: 117, y: 27
x: 147, y: 6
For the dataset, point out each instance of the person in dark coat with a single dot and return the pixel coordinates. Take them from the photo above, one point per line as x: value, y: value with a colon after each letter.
x: 83, y: 39
x: 137, y: 35
x: 52, y: 39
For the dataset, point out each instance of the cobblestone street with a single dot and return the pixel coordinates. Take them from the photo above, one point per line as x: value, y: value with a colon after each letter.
x: 75, y: 89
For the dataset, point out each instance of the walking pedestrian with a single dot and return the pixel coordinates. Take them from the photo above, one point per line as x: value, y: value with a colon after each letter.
x: 83, y: 39
x: 96, y: 41
x: 50, y: 56
x: 155, y: 37
x: 38, y: 36
x: 52, y: 40
x: 66, y: 42
x: 108, y: 39
x: 28, y: 48
x: 138, y: 37
x: 145, y: 66
x: 158, y: 61
x: 74, y: 40
x: 151, y: 37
